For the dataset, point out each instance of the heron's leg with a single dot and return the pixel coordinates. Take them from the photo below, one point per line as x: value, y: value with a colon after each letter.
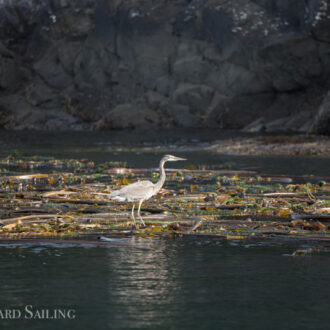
x: 132, y: 214
x: 139, y: 214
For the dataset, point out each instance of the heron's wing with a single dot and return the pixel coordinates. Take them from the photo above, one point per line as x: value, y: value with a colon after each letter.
x: 134, y: 192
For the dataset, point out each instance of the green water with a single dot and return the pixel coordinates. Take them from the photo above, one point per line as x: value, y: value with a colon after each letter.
x: 170, y: 284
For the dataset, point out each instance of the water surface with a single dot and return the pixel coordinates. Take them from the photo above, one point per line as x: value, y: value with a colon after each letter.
x: 166, y: 284
x: 174, y: 284
x: 144, y: 149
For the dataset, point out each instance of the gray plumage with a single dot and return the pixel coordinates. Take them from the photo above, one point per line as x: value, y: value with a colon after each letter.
x: 134, y: 192
x: 142, y: 190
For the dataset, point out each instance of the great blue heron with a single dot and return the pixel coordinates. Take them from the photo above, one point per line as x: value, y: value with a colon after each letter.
x: 143, y: 190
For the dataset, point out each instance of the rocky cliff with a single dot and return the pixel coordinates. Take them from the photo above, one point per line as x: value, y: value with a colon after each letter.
x: 112, y: 64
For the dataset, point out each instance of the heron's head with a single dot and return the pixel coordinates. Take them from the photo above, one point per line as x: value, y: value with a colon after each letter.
x: 170, y: 158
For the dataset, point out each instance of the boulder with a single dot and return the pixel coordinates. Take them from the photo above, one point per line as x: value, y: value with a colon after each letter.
x: 128, y: 116
x: 256, y: 126
x: 182, y: 116
x: 196, y: 97
x: 165, y: 85
x: 155, y: 100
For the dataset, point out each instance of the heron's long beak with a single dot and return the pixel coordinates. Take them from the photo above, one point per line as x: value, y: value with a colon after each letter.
x: 178, y: 158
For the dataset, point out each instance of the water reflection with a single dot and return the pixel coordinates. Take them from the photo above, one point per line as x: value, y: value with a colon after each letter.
x: 181, y: 284
x: 174, y: 284
x: 142, y: 285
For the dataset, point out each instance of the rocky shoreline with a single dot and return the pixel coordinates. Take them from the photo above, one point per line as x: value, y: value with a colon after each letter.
x: 261, y: 66
x: 274, y: 145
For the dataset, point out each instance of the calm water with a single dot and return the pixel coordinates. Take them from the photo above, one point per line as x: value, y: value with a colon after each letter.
x: 164, y: 284
x: 144, y: 149
x: 170, y: 284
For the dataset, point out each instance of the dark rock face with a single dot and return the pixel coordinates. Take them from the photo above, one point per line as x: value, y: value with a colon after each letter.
x: 112, y: 64
x: 321, y: 123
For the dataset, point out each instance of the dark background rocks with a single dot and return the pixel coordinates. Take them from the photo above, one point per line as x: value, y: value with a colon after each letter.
x: 261, y: 65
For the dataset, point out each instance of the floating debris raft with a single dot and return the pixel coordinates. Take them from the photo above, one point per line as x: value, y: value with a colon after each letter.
x: 45, y: 197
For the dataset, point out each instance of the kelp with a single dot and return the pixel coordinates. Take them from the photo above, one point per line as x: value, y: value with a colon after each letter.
x: 47, y: 197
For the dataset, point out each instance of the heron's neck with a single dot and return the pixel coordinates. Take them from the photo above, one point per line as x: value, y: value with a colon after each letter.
x: 162, y: 178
